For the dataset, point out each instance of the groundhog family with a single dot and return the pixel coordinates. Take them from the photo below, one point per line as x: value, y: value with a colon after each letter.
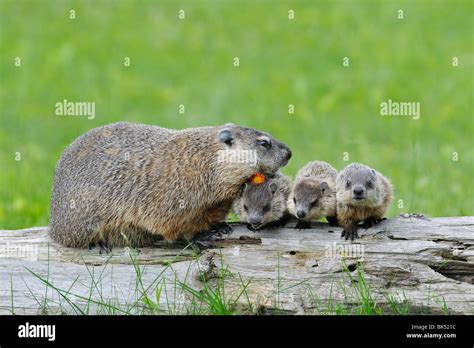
x: 126, y: 184
x: 356, y: 194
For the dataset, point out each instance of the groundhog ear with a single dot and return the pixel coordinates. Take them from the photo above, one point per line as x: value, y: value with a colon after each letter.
x: 273, y: 187
x: 324, y: 186
x: 225, y: 136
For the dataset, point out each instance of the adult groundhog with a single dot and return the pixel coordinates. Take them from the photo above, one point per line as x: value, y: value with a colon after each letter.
x: 314, y: 194
x: 124, y: 183
x: 363, y: 194
x: 264, y: 205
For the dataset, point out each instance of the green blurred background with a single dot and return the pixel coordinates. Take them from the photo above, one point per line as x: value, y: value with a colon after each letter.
x: 282, y: 62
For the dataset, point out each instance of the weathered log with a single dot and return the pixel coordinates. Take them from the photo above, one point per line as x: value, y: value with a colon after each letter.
x: 429, y: 263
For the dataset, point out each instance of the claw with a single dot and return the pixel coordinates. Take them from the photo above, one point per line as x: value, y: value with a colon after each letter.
x: 250, y: 227
x: 207, y: 239
x: 203, y: 245
x: 350, y: 231
x: 221, y: 227
x: 103, y: 247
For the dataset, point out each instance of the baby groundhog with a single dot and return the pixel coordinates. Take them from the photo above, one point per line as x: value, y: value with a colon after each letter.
x: 124, y: 184
x: 314, y: 194
x: 264, y: 205
x: 363, y: 194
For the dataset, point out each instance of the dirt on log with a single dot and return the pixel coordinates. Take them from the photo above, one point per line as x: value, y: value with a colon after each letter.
x: 428, y: 263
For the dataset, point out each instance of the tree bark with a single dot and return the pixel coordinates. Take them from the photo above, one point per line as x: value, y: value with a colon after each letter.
x: 428, y: 263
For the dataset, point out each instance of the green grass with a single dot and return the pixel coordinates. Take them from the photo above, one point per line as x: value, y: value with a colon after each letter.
x: 360, y: 299
x: 282, y: 62
x: 175, y: 295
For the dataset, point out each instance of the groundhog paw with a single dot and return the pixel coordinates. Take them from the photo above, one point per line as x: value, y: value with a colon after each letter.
x: 204, y: 244
x: 332, y: 221
x: 221, y: 228
x: 350, y: 232
x: 251, y: 228
x: 371, y: 222
x: 104, y: 247
x: 206, y: 240
x: 302, y: 225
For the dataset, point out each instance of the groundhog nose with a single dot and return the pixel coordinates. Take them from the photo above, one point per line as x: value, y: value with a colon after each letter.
x: 301, y: 214
x: 286, y: 150
x: 255, y: 220
x: 358, y: 191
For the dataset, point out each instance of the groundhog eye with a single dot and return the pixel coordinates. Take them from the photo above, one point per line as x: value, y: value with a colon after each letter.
x: 370, y: 184
x: 246, y: 208
x: 348, y: 183
x: 265, y: 143
x: 266, y: 208
x: 294, y: 200
x: 314, y: 203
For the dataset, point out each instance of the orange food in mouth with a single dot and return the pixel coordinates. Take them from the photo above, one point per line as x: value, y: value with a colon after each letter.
x: 257, y: 178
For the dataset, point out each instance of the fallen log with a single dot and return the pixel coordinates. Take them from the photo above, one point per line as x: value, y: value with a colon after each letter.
x: 410, y: 264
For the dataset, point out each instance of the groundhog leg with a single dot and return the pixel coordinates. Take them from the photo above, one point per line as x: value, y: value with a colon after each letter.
x: 371, y: 221
x: 179, y: 230
x: 350, y: 231
x: 221, y: 227
x: 203, y: 229
x: 104, y: 247
x: 281, y: 222
x: 215, y: 218
x: 206, y: 239
x: 332, y: 220
x: 100, y: 241
x: 302, y: 225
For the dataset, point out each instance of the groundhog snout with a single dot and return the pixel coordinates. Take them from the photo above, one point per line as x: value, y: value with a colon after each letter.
x: 255, y: 220
x: 358, y: 192
x: 301, y: 214
x: 286, y: 152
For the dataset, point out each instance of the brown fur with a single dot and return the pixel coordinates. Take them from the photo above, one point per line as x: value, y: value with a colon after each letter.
x: 307, y: 188
x: 256, y: 197
x: 350, y: 212
x: 130, y: 182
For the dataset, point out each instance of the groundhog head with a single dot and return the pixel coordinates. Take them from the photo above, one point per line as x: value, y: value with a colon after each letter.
x: 305, y: 198
x: 257, y: 203
x: 357, y: 185
x: 251, y: 148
